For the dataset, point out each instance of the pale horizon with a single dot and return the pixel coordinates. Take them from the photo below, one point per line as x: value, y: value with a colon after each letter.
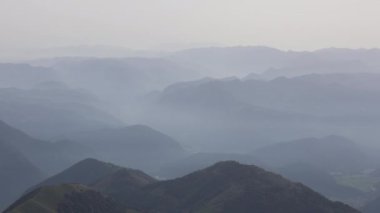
x: 167, y: 24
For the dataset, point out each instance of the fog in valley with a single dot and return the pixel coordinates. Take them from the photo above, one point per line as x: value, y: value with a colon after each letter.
x: 142, y: 116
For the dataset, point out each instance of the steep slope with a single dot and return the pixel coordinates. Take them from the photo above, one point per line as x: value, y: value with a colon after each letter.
x: 319, y: 94
x: 330, y: 154
x: 64, y: 198
x: 13, y: 167
x: 231, y: 187
x: 49, y: 157
x: 134, y: 146
x: 315, y: 178
x: 69, y: 190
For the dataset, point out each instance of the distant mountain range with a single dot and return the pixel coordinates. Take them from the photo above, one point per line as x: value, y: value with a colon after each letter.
x: 117, y: 80
x: 311, y: 161
x: 22, y: 154
x: 24, y: 160
x: 224, y: 187
x: 122, y: 81
x: 229, y: 61
x: 146, y: 72
x: 51, y: 109
x: 318, y: 152
x: 135, y: 146
x: 250, y: 111
x: 198, y: 107
x: 49, y: 157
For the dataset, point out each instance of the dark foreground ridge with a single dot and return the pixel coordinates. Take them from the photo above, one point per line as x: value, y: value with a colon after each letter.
x: 224, y: 187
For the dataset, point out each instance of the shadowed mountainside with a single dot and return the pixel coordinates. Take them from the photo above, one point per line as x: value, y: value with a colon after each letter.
x: 224, y: 187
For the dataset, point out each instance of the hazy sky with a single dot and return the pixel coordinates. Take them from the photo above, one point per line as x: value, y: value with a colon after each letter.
x: 285, y: 24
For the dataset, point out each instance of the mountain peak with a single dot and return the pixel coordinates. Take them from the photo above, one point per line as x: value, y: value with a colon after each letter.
x: 86, y: 172
x: 233, y: 187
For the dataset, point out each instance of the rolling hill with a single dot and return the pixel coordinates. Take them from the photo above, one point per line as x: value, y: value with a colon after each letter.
x: 231, y: 187
x: 224, y: 187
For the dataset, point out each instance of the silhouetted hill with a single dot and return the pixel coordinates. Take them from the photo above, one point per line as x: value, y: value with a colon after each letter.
x: 100, y: 176
x: 69, y: 190
x: 199, y: 161
x: 64, y: 198
x: 315, y: 178
x: 329, y: 153
x: 103, y: 176
x: 85, y: 172
x: 135, y: 146
x: 224, y: 187
x: 231, y: 187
